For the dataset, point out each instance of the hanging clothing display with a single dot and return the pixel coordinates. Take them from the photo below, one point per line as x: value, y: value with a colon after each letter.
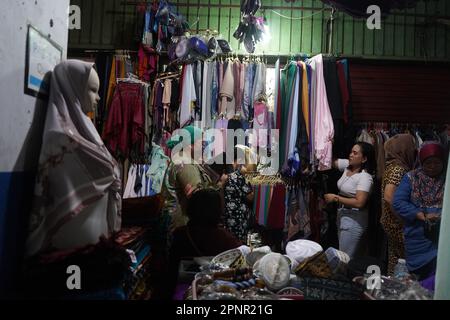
x: 310, y: 113
x: 138, y: 183
x: 297, y: 217
x: 148, y: 61
x: 269, y: 205
x: 263, y: 194
x: 146, y: 180
x: 125, y: 131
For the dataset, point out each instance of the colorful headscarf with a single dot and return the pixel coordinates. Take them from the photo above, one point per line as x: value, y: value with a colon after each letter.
x: 194, y: 132
x: 431, y: 149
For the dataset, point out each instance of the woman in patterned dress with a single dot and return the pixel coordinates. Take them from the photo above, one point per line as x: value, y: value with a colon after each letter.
x: 238, y: 195
x: 418, y: 201
x: 400, y: 154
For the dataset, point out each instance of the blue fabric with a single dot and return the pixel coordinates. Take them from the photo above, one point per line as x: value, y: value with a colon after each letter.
x: 247, y: 105
x: 345, y: 63
x: 16, y: 197
x: 109, y: 294
x: 419, y: 250
x: 140, y: 256
x: 214, y: 91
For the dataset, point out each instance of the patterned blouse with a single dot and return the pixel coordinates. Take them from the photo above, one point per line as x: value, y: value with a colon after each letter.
x: 390, y: 221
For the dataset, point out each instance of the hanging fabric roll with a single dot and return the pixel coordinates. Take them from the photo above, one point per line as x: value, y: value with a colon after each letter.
x: 276, y: 93
x: 323, y: 129
x: 188, y: 97
x: 288, y: 75
x: 227, y: 93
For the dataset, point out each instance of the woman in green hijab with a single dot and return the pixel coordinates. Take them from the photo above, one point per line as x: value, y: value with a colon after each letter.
x: 186, y: 173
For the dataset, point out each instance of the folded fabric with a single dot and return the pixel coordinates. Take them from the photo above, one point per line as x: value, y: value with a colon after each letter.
x: 300, y: 250
x: 315, y: 266
x: 337, y: 260
x: 274, y: 270
x: 126, y: 236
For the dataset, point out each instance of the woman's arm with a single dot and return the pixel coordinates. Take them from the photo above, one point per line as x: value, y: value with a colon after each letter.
x: 402, y: 202
x: 341, y: 164
x: 389, y: 192
x: 358, y: 202
x: 335, y: 163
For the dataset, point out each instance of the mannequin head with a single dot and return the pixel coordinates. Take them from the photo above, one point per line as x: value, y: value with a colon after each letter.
x: 91, y: 97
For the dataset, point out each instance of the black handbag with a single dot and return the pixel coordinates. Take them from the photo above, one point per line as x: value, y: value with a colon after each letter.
x: 431, y: 230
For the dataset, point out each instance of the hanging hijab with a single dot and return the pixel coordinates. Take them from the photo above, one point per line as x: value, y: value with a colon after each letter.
x: 400, y: 150
x: 75, y: 169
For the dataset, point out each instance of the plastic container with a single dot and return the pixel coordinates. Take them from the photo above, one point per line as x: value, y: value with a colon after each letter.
x: 401, y: 270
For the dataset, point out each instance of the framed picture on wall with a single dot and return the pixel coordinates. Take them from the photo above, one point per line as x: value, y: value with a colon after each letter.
x: 42, y: 55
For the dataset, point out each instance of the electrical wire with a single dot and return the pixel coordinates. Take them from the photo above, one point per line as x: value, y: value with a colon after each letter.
x: 299, y: 18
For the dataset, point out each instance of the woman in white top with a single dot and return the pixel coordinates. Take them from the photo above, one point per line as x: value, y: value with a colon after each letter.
x: 354, y: 187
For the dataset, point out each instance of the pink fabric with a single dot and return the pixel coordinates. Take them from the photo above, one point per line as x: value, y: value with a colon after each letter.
x: 324, y: 128
x: 261, y: 123
x: 220, y: 146
x: 125, y: 125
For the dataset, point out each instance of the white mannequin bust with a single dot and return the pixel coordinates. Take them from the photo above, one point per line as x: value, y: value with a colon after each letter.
x: 85, y: 228
x: 77, y: 192
x: 91, y: 93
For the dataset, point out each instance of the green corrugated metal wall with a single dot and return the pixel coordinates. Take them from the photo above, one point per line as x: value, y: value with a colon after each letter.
x: 406, y: 34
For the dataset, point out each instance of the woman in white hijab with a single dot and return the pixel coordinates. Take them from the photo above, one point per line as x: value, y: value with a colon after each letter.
x: 77, y: 196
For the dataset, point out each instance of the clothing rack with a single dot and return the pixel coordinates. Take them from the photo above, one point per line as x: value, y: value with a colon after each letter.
x: 388, y: 125
x: 167, y: 75
x: 256, y: 179
x: 89, y: 52
x: 268, y: 59
x: 133, y: 79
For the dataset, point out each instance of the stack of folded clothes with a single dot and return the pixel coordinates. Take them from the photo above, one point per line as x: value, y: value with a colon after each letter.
x: 137, y: 284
